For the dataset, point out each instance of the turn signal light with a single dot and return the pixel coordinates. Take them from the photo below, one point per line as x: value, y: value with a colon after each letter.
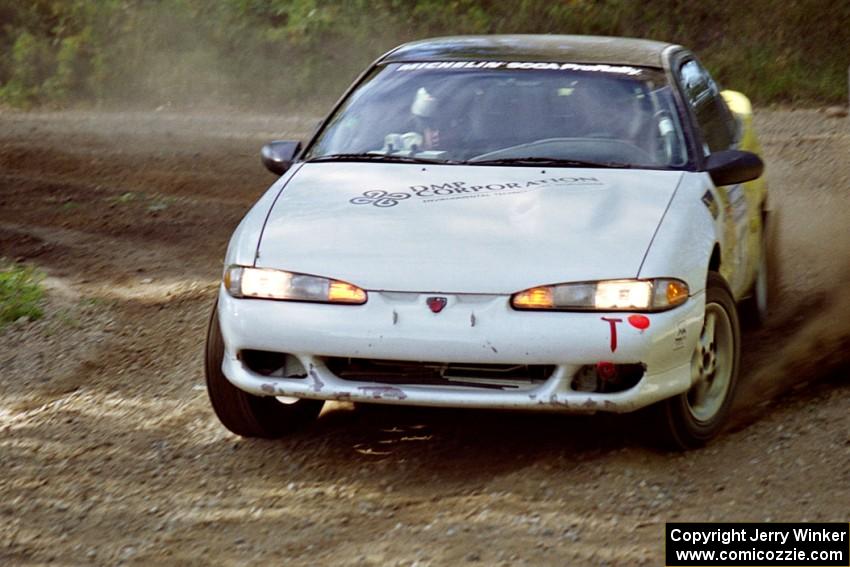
x: 534, y: 298
x: 343, y: 292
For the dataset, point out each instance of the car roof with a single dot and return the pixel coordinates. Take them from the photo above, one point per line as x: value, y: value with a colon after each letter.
x: 559, y: 48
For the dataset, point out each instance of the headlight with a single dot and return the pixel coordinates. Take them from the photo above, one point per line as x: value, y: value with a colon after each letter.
x: 612, y: 295
x: 262, y: 283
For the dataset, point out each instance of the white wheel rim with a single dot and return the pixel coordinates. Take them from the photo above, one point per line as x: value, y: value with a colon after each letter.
x: 711, y: 365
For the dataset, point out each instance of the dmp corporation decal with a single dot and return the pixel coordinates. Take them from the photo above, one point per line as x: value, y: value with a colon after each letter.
x: 462, y: 190
x: 380, y: 198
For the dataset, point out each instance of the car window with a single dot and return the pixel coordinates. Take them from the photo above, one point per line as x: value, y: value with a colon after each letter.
x: 716, y: 123
x: 467, y: 111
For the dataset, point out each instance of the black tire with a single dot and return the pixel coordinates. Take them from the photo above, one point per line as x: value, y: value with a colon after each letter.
x: 246, y: 414
x: 679, y: 424
x: 757, y: 308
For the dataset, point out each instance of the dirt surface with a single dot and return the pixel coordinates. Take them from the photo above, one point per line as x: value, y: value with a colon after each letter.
x: 111, y: 453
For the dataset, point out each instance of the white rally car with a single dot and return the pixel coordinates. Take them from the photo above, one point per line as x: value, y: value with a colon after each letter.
x: 521, y: 222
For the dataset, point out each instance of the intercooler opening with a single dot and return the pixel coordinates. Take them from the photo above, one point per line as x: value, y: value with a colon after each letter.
x: 496, y: 376
x: 272, y: 364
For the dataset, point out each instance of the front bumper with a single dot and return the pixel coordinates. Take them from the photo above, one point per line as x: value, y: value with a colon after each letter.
x: 480, y: 329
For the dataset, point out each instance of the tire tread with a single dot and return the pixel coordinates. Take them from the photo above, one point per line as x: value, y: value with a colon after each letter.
x: 671, y: 423
x: 245, y: 414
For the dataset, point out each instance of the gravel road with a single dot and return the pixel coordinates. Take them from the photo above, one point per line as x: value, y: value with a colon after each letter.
x: 111, y: 454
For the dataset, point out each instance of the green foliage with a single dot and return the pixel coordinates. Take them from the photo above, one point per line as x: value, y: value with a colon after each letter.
x: 279, y: 53
x: 30, y: 67
x: 20, y: 293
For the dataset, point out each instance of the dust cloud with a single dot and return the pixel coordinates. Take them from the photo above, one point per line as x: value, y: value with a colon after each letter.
x: 809, y: 346
x: 808, y: 340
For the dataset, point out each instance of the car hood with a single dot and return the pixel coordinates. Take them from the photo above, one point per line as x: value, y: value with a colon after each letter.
x: 464, y: 229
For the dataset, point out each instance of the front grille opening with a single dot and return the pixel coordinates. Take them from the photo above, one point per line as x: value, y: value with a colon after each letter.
x: 272, y: 364
x: 495, y: 376
x: 605, y: 377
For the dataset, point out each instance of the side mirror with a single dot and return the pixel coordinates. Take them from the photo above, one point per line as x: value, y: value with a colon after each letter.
x: 278, y: 156
x: 729, y: 167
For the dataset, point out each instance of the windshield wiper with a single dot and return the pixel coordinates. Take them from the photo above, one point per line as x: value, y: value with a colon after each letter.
x: 552, y: 162
x: 378, y: 157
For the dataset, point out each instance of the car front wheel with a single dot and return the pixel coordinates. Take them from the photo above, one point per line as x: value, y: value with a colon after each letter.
x: 243, y: 413
x: 691, y: 419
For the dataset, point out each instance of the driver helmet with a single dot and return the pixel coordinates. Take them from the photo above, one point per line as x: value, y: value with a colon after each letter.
x: 424, y: 104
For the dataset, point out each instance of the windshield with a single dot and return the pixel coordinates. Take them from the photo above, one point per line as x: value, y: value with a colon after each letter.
x: 499, y: 112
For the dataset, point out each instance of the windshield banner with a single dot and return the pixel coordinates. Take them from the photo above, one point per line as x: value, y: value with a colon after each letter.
x: 520, y: 65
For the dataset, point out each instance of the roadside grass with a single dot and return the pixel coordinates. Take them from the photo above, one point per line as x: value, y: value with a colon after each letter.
x: 160, y: 202
x: 20, y: 292
x: 123, y: 198
x: 152, y: 203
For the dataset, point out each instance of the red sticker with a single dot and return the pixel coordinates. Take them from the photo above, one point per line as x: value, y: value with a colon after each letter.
x: 639, y: 321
